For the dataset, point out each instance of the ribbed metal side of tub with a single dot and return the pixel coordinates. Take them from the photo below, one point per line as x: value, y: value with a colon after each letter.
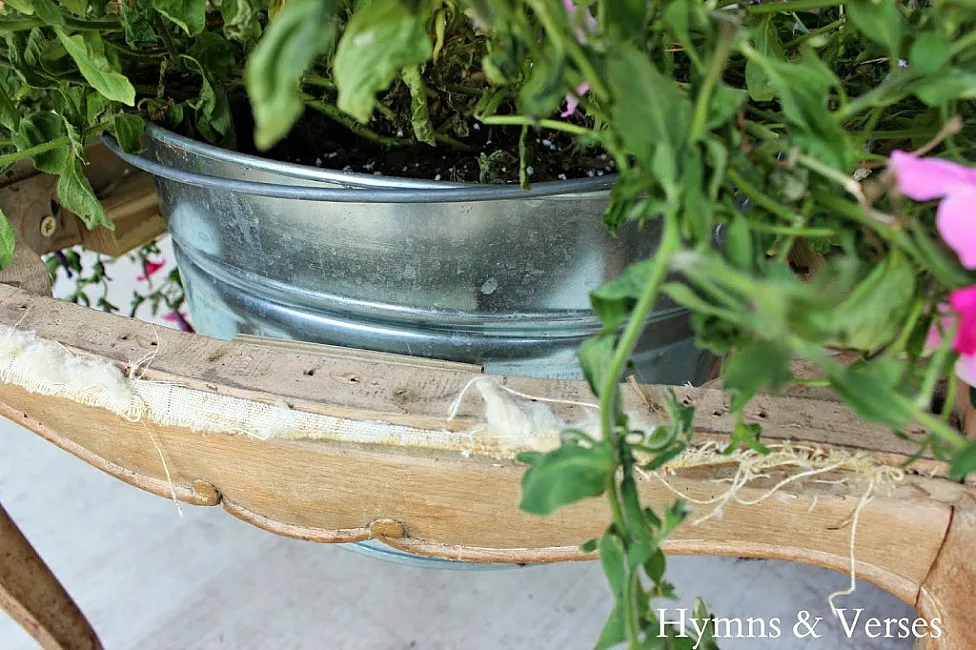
x: 501, y: 282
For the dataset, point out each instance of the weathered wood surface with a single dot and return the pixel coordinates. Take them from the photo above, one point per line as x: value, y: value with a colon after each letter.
x: 948, y: 593
x: 26, y: 271
x: 31, y: 594
x: 29, y: 200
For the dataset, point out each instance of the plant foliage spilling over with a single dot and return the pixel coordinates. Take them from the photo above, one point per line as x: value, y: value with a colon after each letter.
x: 827, y: 130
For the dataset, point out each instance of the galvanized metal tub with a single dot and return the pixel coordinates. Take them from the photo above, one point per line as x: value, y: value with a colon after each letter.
x: 485, y: 274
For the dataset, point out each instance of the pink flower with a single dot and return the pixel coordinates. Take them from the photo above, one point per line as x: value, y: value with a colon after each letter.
x: 571, y: 100
x: 925, y: 179
x: 963, y: 304
x: 151, y: 267
x: 180, y: 320
x: 582, y: 34
x: 589, y: 22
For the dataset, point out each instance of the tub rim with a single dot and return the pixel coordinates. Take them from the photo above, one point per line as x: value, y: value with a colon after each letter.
x: 381, y: 189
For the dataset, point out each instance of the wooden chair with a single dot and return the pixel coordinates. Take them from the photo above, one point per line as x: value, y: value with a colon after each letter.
x: 390, y: 465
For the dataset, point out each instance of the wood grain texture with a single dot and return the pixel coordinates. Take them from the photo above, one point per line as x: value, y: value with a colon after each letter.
x: 449, y: 505
x: 33, y: 597
x: 453, y: 506
x: 363, y: 388
x: 467, y: 508
x: 947, y: 592
x: 26, y: 271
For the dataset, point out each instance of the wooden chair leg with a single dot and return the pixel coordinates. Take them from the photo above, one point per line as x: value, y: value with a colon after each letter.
x: 948, y: 593
x: 31, y: 594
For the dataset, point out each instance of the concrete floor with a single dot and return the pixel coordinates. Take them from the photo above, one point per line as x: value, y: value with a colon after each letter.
x: 148, y: 579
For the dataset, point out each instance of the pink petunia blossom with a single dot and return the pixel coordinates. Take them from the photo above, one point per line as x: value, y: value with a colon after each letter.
x: 963, y: 316
x: 180, y: 320
x: 582, y: 34
x: 571, y: 100
x: 151, y: 267
x: 925, y: 179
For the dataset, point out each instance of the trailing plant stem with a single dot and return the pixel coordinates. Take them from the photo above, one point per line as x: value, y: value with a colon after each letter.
x: 350, y: 123
x: 787, y: 7
x: 33, y: 151
x: 628, y: 604
x: 703, y: 103
x: 670, y: 244
x: 814, y: 32
x: 555, y: 125
x: 610, y: 404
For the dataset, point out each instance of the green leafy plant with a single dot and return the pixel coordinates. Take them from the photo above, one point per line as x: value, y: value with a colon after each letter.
x: 780, y: 126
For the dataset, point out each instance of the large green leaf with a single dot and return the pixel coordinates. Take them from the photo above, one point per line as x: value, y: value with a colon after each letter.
x: 767, y: 44
x: 947, y: 84
x: 25, y: 7
x: 6, y: 241
x: 726, y: 103
x: 9, y: 113
x: 738, y: 244
x: 594, y: 356
x: 929, y: 53
x: 88, y: 51
x: 614, y: 632
x: 625, y: 17
x: 651, y: 115
x: 241, y: 19
x: 49, y: 12
x: 563, y: 476
x: 128, y: 131
x: 803, y: 87
x: 77, y: 7
x: 138, y: 29
x: 872, y: 315
x: 217, y: 53
x: 380, y: 39
x: 612, y: 560
x: 75, y: 193
x: 878, y: 20
x: 24, y: 54
x: 698, y: 209
x: 301, y: 32
x: 964, y: 462
x: 614, y: 300
x: 191, y: 15
x: 39, y: 129
x: 212, y: 109
x: 757, y: 365
x: 871, y: 391
x: 545, y: 88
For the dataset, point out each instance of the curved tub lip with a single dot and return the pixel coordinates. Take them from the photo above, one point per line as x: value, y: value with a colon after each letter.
x: 382, y: 189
